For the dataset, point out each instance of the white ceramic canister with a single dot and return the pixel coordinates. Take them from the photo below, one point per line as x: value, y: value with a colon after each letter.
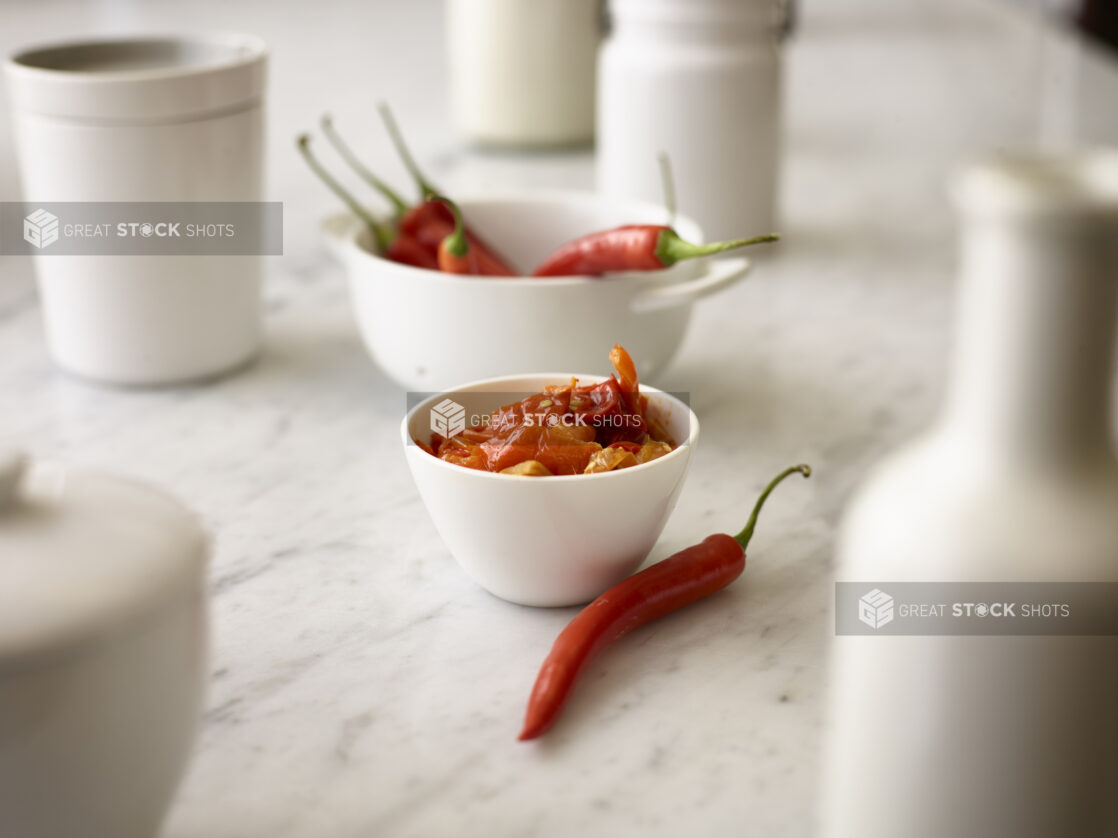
x: 1011, y: 736
x: 522, y: 71
x: 175, y: 119
x: 699, y: 80
x: 102, y: 651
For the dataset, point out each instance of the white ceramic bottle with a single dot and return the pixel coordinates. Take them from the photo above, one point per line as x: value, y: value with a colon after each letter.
x: 522, y: 71
x: 699, y: 80
x: 993, y: 737
x: 102, y: 651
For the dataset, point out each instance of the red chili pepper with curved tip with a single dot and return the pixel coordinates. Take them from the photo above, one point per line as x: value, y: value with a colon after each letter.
x: 408, y: 251
x: 666, y: 586
x: 393, y: 244
x: 430, y: 222
x: 455, y: 254
x: 634, y: 247
x: 421, y: 228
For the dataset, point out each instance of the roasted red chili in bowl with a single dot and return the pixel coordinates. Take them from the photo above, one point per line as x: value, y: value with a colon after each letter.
x: 566, y: 429
x: 556, y: 541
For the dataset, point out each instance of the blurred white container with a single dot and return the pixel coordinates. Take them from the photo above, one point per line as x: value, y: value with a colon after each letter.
x: 102, y: 651
x: 701, y: 81
x: 522, y: 71
x: 149, y: 119
x: 996, y: 736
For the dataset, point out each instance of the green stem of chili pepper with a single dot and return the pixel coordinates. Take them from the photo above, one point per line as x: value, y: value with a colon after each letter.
x: 382, y: 236
x: 426, y: 188
x: 670, y: 248
x: 399, y: 205
x: 456, y: 243
x: 743, y: 537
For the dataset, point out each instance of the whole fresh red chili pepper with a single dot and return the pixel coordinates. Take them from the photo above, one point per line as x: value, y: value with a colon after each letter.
x: 430, y: 222
x: 405, y: 246
x: 455, y: 254
x: 634, y: 247
x: 416, y: 240
x: 394, y: 244
x: 666, y: 586
x: 407, y: 251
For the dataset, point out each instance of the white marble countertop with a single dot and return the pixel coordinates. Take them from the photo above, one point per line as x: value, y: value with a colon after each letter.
x: 362, y: 685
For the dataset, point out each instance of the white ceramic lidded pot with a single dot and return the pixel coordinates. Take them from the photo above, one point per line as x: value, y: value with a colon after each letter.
x: 149, y: 119
x: 701, y: 81
x: 102, y: 651
x: 933, y: 736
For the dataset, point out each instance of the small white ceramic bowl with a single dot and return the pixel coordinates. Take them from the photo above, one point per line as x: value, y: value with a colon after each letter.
x: 429, y: 331
x: 548, y: 541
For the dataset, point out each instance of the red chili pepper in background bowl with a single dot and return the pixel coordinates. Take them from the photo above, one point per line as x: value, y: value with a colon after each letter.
x: 430, y: 222
x: 391, y: 243
x: 408, y: 251
x: 421, y: 229
x: 633, y: 247
x: 677, y: 581
x: 455, y: 254
x: 426, y: 223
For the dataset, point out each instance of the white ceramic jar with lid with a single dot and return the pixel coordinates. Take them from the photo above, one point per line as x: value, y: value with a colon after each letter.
x: 102, y: 651
x: 934, y: 736
x: 699, y: 80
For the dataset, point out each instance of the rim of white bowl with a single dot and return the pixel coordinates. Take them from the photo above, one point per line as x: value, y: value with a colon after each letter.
x: 245, y: 50
x: 356, y: 230
x: 692, y: 435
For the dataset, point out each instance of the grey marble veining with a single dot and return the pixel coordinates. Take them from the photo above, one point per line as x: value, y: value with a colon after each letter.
x: 362, y: 685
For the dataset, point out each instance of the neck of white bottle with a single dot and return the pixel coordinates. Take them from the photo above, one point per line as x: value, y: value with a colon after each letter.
x: 706, y: 22
x: 1035, y: 334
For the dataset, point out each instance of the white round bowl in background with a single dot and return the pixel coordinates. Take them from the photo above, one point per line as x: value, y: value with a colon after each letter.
x: 429, y: 330
x: 548, y: 541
